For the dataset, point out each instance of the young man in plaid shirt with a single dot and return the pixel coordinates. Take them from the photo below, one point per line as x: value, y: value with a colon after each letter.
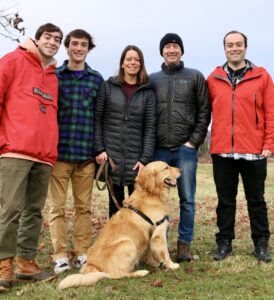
x: 78, y: 90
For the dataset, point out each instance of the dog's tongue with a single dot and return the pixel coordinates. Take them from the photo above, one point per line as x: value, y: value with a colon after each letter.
x: 171, y: 182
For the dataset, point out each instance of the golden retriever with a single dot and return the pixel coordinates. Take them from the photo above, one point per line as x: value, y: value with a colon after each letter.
x: 128, y: 237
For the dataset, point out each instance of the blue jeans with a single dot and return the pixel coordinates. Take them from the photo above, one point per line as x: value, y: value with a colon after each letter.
x: 184, y: 158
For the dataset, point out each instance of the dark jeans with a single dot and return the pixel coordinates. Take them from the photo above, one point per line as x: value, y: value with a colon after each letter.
x: 119, y: 193
x: 226, y: 173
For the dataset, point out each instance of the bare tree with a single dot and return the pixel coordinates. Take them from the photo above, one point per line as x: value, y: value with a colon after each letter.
x: 11, y: 25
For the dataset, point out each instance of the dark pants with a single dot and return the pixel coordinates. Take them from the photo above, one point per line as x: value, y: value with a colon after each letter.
x: 226, y: 173
x: 23, y: 192
x: 119, y: 194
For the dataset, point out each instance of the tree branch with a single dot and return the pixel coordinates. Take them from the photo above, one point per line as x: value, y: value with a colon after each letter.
x: 10, y: 25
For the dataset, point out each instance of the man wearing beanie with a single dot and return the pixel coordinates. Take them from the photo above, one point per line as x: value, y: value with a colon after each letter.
x: 183, y: 115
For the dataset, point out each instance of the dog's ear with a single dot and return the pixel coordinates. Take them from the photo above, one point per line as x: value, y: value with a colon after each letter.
x: 150, y: 182
x: 146, y: 179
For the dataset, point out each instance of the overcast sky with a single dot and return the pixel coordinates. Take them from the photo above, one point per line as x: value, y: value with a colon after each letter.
x: 116, y: 23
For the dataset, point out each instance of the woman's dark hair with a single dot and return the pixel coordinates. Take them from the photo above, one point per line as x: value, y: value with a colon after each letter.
x: 142, y: 76
x: 79, y: 33
x: 48, y: 27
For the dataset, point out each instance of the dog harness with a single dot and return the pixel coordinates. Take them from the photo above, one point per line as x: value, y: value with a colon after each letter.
x: 146, y: 218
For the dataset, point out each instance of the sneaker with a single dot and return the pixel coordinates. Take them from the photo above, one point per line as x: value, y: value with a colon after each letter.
x: 183, y: 252
x: 6, y: 274
x: 224, y: 249
x: 28, y: 269
x: 80, y: 261
x: 61, y: 265
x: 261, y: 250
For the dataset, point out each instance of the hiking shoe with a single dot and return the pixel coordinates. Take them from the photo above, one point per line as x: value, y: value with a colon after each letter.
x: 6, y: 274
x: 61, y: 265
x: 80, y: 261
x: 27, y: 269
x: 183, y: 252
x: 261, y: 250
x: 224, y: 249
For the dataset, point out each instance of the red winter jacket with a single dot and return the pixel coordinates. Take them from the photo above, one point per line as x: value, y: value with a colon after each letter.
x: 28, y: 105
x: 242, y: 117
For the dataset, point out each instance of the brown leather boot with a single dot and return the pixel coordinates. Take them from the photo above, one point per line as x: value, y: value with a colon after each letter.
x: 183, y: 252
x: 6, y: 274
x: 27, y: 269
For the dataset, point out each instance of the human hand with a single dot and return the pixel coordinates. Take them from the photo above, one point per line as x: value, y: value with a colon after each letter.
x: 266, y: 153
x: 187, y: 144
x: 101, y: 157
x: 138, y: 166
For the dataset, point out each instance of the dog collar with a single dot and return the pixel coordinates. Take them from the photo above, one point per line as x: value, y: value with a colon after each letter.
x: 145, y: 217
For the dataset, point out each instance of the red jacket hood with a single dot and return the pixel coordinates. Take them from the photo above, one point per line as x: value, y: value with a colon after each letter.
x: 30, y: 46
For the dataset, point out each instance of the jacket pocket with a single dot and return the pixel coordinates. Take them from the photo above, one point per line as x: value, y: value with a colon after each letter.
x: 41, y: 95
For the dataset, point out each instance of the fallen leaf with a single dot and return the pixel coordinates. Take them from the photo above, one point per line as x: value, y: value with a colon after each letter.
x: 157, y: 283
x: 188, y: 269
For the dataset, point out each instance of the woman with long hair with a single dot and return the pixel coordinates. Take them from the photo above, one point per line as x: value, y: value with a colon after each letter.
x: 125, y: 118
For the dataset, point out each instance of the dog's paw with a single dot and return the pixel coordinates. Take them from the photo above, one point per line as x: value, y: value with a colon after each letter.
x: 142, y: 273
x: 139, y: 273
x: 173, y: 266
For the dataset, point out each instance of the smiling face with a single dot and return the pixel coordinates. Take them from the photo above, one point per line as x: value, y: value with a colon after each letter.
x: 235, y: 50
x: 78, y: 49
x: 48, y: 44
x: 172, y: 53
x: 131, y: 64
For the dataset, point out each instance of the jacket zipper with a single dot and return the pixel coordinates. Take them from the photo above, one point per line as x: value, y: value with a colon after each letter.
x: 122, y: 174
x: 170, y: 93
x: 233, y: 118
x: 256, y: 114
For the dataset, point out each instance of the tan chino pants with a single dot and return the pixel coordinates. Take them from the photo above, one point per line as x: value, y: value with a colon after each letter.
x: 81, y: 178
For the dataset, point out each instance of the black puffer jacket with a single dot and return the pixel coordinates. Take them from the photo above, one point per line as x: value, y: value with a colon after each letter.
x: 183, y: 106
x: 125, y: 129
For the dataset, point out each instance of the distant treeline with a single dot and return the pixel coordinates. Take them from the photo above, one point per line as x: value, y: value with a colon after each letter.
x: 204, y: 148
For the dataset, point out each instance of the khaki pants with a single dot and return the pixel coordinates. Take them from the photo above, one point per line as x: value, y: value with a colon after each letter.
x: 24, y: 187
x: 81, y: 177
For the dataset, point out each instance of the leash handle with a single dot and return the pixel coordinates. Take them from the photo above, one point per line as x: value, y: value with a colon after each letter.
x: 103, y: 169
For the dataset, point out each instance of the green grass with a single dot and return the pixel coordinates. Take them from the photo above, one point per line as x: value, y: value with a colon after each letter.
x: 238, y: 277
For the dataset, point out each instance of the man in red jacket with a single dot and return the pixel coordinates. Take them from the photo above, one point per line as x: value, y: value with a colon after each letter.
x: 28, y: 149
x: 242, y: 138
